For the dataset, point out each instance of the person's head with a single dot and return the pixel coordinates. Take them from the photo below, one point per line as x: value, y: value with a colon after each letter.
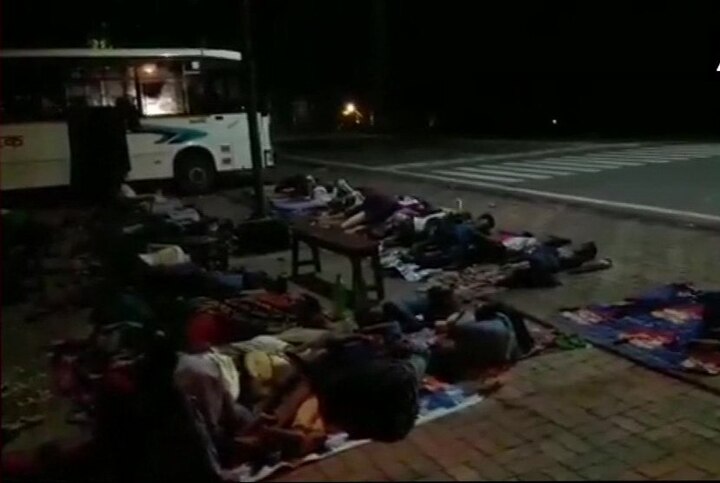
x: 487, y: 311
x: 442, y: 301
x: 586, y: 251
x: 485, y: 222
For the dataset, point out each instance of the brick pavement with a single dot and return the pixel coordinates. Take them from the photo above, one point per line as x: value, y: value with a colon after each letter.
x: 575, y: 415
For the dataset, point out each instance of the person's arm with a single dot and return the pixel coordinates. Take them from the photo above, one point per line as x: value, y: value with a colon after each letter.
x: 405, y: 317
x: 452, y: 320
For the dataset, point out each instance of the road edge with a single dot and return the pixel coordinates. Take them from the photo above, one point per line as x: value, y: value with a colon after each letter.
x: 687, y: 219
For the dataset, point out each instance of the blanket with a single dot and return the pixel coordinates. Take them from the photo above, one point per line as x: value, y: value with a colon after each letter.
x: 472, y: 284
x: 391, y: 259
x: 294, y: 208
x: 655, y: 329
x: 437, y: 400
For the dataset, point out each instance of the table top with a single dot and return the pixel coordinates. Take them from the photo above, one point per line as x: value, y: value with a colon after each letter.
x: 333, y: 238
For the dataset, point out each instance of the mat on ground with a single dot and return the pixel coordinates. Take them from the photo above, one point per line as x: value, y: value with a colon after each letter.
x: 437, y: 400
x: 658, y: 329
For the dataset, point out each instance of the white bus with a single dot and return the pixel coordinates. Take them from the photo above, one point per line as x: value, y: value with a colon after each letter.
x: 188, y: 104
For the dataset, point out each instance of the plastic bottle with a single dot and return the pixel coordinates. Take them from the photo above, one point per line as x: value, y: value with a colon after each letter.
x: 339, y: 299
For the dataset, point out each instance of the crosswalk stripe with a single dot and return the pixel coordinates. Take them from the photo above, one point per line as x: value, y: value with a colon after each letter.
x: 665, y: 151
x: 660, y: 154
x: 646, y: 159
x: 600, y: 162
x: 540, y: 169
x: 478, y: 176
x: 523, y: 169
x: 683, y: 152
x: 503, y: 172
x: 566, y: 165
x: 644, y: 153
x: 585, y: 163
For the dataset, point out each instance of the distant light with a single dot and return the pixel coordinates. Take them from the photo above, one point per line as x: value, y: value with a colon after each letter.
x: 554, y: 121
x: 349, y: 109
x: 718, y: 69
x: 149, y: 69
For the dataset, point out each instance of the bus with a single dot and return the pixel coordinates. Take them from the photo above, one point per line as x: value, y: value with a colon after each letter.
x: 188, y: 109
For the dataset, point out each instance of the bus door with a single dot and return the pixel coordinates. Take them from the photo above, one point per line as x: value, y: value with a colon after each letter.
x: 215, y: 96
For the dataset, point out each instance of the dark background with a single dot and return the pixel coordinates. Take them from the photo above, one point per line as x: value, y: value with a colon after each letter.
x: 605, y: 68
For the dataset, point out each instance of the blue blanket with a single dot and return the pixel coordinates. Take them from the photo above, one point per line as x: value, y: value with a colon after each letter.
x: 654, y: 328
x: 289, y: 209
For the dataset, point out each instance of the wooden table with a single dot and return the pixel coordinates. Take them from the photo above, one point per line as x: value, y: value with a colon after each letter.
x: 335, y: 240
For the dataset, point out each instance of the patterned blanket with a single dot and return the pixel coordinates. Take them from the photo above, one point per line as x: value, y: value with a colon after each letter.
x: 438, y: 399
x: 656, y: 328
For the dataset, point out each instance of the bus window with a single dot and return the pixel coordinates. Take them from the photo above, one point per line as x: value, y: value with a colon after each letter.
x: 31, y: 92
x: 99, y: 84
x: 216, y: 90
x: 161, y: 88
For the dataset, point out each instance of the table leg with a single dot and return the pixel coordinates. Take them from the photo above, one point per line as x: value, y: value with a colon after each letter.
x: 295, y: 257
x: 316, y: 258
x: 378, y: 276
x: 358, y: 283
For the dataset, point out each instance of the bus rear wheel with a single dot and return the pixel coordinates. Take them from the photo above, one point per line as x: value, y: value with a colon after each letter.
x: 195, y: 172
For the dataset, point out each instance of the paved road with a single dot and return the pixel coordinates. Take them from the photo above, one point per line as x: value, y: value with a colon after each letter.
x: 678, y: 179
x: 387, y: 151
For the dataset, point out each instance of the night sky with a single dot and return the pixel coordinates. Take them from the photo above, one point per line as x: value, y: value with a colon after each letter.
x: 487, y: 66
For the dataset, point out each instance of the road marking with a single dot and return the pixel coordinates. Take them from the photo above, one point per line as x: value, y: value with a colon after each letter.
x: 539, y: 169
x: 500, y: 179
x: 562, y: 165
x: 550, y: 172
x: 662, y: 158
x: 630, y: 159
x: 589, y: 163
x: 502, y: 172
x: 602, y: 162
x: 705, y: 151
x: 493, y: 157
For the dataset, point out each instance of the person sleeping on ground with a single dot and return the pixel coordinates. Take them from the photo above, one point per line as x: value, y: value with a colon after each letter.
x: 421, y: 311
x: 456, y: 241
x: 539, y: 264
x: 487, y: 336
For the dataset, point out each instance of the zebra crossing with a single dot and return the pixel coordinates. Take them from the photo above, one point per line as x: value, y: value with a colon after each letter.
x: 559, y: 165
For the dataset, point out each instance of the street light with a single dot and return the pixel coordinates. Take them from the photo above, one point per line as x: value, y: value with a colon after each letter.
x: 349, y: 109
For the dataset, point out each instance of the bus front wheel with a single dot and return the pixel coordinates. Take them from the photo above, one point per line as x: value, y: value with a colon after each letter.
x: 195, y: 171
